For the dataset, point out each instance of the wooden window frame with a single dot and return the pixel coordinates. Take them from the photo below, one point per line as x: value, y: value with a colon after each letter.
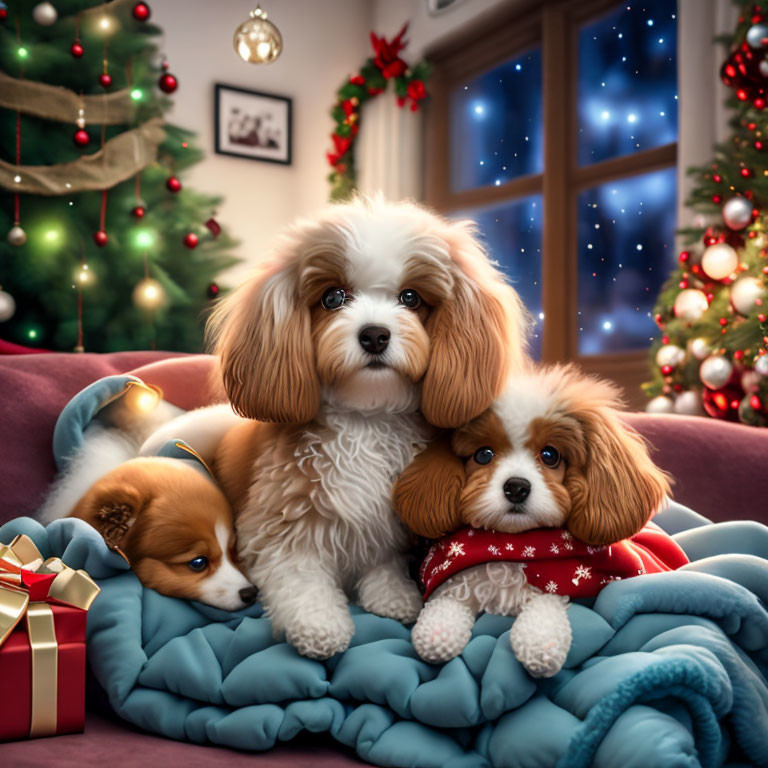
x: 499, y: 36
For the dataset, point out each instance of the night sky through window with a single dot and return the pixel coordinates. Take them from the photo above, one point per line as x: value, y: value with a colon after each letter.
x: 627, y: 91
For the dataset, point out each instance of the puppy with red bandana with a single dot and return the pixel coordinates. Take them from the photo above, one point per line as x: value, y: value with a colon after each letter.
x: 544, y: 496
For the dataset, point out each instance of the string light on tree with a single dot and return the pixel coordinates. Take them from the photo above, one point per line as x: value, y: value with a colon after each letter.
x: 148, y: 294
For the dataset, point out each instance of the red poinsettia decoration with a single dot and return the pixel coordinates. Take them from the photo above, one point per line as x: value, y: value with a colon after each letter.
x: 387, y: 57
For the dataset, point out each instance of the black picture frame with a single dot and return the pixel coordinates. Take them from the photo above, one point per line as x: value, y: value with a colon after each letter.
x: 239, y: 133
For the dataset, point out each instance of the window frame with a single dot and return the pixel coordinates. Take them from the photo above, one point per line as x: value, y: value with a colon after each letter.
x: 498, y: 36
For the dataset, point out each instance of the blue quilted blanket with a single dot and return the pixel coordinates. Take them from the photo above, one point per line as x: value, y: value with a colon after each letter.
x: 666, y: 670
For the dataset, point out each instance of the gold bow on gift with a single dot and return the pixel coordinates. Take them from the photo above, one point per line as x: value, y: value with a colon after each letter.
x: 23, y: 575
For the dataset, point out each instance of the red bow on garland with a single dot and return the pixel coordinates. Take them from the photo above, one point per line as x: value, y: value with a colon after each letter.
x: 387, y: 57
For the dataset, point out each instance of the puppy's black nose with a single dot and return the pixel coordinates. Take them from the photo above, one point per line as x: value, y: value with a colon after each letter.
x: 374, y: 339
x: 517, y: 489
x: 249, y: 594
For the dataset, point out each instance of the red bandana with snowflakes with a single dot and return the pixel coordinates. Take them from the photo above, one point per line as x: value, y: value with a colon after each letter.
x: 553, y: 559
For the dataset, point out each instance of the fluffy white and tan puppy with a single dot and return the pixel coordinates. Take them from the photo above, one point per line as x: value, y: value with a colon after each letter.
x: 367, y: 325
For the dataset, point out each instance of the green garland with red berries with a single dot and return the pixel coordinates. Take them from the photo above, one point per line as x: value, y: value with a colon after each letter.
x: 372, y: 79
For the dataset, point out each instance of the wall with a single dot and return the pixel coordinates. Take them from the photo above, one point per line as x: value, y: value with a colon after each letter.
x: 323, y: 42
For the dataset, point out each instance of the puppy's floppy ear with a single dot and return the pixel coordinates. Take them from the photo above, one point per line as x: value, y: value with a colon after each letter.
x: 618, y: 487
x: 262, y: 335
x: 112, y: 509
x: 426, y: 497
x: 477, y: 336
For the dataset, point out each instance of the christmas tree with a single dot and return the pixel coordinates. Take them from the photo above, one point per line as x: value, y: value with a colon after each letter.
x: 100, y: 246
x: 712, y: 353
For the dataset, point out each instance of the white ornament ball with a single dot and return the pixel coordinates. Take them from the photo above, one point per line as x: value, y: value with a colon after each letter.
x: 670, y: 354
x: 690, y: 304
x: 715, y: 371
x: 750, y: 382
x: 148, y: 294
x: 763, y: 67
x: 737, y: 212
x: 660, y: 404
x: 757, y: 36
x: 699, y: 348
x: 17, y: 236
x: 761, y: 365
x: 45, y: 14
x: 745, y: 292
x: 7, y: 306
x: 719, y: 261
x: 689, y: 403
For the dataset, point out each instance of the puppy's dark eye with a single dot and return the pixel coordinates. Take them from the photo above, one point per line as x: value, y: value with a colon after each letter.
x: 409, y: 298
x: 483, y: 455
x: 198, y: 564
x: 550, y: 456
x: 333, y: 298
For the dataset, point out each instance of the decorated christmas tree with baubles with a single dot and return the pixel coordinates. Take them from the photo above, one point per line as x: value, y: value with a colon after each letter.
x: 101, y: 245
x: 712, y: 352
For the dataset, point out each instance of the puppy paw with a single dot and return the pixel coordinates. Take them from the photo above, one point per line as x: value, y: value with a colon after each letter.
x: 321, y: 636
x: 401, y: 601
x: 541, y: 636
x: 443, y: 630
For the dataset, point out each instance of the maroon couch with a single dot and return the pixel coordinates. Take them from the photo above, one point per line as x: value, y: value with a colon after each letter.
x: 719, y: 469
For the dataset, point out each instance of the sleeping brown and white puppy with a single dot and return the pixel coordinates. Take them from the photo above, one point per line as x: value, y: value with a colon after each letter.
x: 174, y: 526
x: 368, y: 324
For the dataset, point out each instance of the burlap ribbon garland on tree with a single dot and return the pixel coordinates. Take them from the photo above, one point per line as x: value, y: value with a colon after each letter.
x: 52, y: 102
x: 119, y: 159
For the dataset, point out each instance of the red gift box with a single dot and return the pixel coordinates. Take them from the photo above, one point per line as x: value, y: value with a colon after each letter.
x: 42, y: 658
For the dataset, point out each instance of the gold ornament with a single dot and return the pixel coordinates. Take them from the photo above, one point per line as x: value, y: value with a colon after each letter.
x: 257, y: 40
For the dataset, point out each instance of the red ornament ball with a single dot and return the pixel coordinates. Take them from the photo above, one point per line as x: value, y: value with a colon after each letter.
x: 138, y: 211
x: 666, y: 370
x: 141, y: 12
x: 167, y: 83
x: 76, y: 49
x: 745, y: 172
x: 723, y: 403
x: 212, y: 291
x: 3, y: 14
x: 100, y: 238
x: 81, y: 137
x: 105, y: 80
x: 756, y: 403
x: 191, y: 240
x: 717, y: 198
x: 173, y: 184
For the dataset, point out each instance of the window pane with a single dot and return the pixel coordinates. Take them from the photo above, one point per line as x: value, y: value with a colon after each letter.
x: 496, y: 130
x: 628, y: 81
x: 626, y: 251
x: 512, y: 234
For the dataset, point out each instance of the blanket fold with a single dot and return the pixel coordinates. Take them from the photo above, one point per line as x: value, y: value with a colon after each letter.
x: 666, y: 669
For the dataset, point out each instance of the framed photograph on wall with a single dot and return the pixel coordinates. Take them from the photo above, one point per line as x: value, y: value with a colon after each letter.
x: 253, y: 125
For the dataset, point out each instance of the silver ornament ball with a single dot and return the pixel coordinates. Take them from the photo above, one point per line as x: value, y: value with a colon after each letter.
x: 16, y: 235
x: 719, y: 261
x: 690, y: 304
x: 744, y: 294
x: 761, y: 365
x: 715, y: 371
x: 257, y: 40
x: 737, y: 212
x: 757, y: 36
x: 7, y: 306
x: 763, y: 67
x: 689, y: 403
x: 660, y: 404
x: 699, y: 348
x: 750, y: 382
x: 670, y: 354
x: 45, y: 14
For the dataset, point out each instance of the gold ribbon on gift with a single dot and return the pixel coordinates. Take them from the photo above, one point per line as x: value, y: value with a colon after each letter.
x: 69, y: 587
